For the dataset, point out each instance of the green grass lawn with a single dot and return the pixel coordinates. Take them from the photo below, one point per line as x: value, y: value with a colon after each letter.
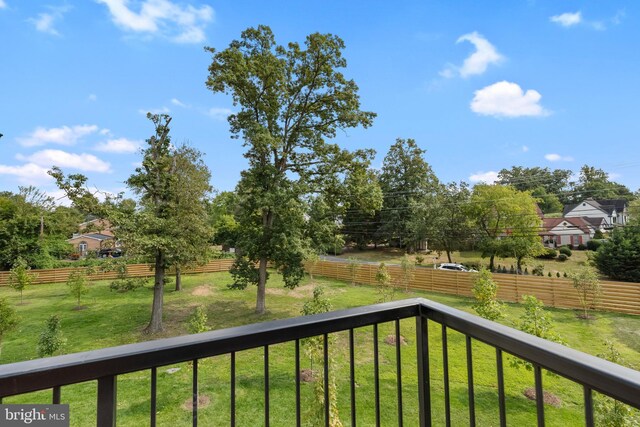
x: 394, y: 256
x: 111, y: 319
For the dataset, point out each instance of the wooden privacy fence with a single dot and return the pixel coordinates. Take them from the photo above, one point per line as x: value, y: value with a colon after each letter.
x: 57, y: 275
x: 623, y: 297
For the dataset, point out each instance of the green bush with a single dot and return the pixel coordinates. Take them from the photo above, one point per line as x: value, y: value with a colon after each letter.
x: 127, y: 284
x: 594, y: 244
x: 562, y: 257
x: 198, y: 321
x: 51, y: 338
x: 538, y: 270
x: 582, y: 247
x: 565, y: 250
x: 549, y: 253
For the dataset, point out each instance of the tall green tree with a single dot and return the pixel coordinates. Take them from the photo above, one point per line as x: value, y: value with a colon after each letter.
x: 595, y: 183
x: 446, y: 222
x: 619, y: 256
x: 291, y: 100
x: 550, y: 186
x: 169, y: 224
x: 409, y: 186
x: 506, y: 221
x: 361, y: 217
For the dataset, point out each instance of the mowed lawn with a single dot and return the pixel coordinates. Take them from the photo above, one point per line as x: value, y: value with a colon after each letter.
x: 110, y: 319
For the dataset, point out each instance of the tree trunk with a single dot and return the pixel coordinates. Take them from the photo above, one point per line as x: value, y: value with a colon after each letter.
x: 518, y: 265
x: 449, y: 255
x: 155, y: 325
x: 178, y: 279
x: 493, y: 256
x: 261, y: 306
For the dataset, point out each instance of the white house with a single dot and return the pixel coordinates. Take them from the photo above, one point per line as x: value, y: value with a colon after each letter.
x: 567, y: 231
x: 611, y: 211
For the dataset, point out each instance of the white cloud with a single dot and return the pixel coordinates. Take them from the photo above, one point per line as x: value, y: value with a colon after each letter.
x: 180, y: 24
x: 45, y: 22
x: 64, y: 135
x: 92, y: 97
x: 506, y: 99
x: 83, y: 162
x: 558, y: 158
x: 176, y: 101
x: 119, y: 145
x: 219, y: 113
x: 479, y: 60
x: 2, y: 4
x: 567, y: 19
x: 525, y: 148
x: 29, y: 174
x: 487, y: 177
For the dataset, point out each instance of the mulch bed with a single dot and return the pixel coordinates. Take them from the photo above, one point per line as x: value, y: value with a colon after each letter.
x: 547, y: 397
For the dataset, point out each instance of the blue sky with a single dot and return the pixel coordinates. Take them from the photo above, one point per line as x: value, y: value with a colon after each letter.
x: 480, y: 85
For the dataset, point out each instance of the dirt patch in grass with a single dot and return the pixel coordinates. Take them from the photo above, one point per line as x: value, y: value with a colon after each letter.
x: 547, y: 397
x: 202, y: 291
x: 391, y: 340
x: 306, y: 375
x: 305, y: 291
x: 203, y: 402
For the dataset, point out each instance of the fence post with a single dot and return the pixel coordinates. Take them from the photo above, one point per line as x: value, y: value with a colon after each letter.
x: 106, y: 416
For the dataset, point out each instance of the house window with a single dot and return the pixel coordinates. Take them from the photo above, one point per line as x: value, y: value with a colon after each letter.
x: 82, y: 247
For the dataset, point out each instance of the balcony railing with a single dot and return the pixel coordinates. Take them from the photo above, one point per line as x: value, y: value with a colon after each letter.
x: 589, y: 372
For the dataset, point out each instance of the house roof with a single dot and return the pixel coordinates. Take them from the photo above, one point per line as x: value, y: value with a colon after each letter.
x: 595, y: 222
x: 549, y: 224
x: 612, y: 204
x: 94, y: 236
x: 591, y: 202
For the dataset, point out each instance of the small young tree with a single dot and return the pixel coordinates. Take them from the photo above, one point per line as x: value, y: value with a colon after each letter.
x: 535, y: 321
x: 312, y: 258
x: 51, y: 338
x: 8, y: 318
x: 586, y: 282
x: 610, y: 412
x: 485, y: 290
x: 314, y: 349
x: 408, y: 271
x: 385, y: 288
x: 20, y: 276
x: 198, y: 321
x: 353, y: 266
x: 78, y: 285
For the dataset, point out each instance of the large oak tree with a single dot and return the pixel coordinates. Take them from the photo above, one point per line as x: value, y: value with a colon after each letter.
x: 291, y: 99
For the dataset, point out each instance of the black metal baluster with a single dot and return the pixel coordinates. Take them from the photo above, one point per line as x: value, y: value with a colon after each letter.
x: 195, y: 393
x: 588, y: 407
x: 352, y: 373
x: 376, y: 373
x: 424, y: 390
x: 298, y: 421
x: 107, y: 395
x: 327, y: 403
x: 472, y: 403
x: 501, y: 398
x: 154, y: 391
x: 399, y: 372
x: 445, y: 367
x: 55, y: 398
x: 232, y: 406
x: 266, y: 386
x: 539, y: 395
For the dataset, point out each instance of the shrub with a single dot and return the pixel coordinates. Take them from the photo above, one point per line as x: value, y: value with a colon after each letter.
x: 557, y: 274
x: 51, y: 338
x: 617, y: 258
x: 485, y: 290
x: 549, y: 253
x: 562, y: 257
x: 198, y: 321
x: 582, y: 247
x: 598, y: 235
x: 594, y: 244
x: 565, y: 250
x: 588, y: 286
x: 419, y: 259
x: 8, y: 317
x: 538, y: 270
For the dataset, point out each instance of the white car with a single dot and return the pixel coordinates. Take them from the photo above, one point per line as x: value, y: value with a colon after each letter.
x: 450, y: 266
